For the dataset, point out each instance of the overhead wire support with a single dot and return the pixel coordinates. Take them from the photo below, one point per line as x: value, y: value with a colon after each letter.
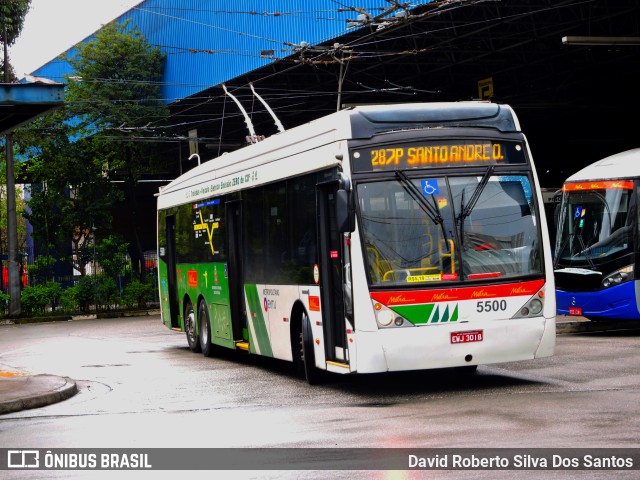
x: 365, y: 18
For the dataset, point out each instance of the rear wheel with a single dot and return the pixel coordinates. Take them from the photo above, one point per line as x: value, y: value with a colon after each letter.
x: 190, y: 328
x: 205, y: 330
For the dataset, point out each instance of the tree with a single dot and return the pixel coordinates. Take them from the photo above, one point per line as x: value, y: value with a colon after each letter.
x: 117, y: 99
x: 78, y: 151
x: 71, y: 195
x: 12, y: 14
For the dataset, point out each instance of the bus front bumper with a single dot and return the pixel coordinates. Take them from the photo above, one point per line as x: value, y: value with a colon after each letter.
x: 615, y: 302
x: 433, y: 346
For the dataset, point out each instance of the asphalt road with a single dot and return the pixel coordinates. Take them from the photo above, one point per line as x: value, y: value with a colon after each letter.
x: 141, y: 387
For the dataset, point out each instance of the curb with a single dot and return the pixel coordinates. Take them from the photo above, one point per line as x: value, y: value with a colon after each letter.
x: 46, y: 389
x: 67, y: 318
x: 589, y: 326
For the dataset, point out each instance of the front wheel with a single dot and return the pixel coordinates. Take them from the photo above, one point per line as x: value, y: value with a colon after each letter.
x: 311, y: 372
x: 190, y: 328
x: 467, y: 369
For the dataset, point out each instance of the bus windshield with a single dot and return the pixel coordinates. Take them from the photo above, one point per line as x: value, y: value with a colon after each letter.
x: 448, y: 228
x: 596, y: 223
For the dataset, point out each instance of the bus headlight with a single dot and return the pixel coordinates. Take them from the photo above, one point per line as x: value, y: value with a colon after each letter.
x: 619, y: 276
x: 386, y: 318
x: 533, y: 307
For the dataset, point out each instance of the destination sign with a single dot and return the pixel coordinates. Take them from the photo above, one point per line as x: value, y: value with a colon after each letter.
x: 436, y: 154
x: 598, y: 185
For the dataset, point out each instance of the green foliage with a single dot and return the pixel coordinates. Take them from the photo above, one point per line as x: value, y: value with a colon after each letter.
x: 78, y: 150
x: 4, y: 302
x: 40, y: 271
x: 12, y: 14
x: 112, y: 255
x: 69, y: 300
x: 120, y: 71
x: 85, y: 294
x: 137, y: 294
x: 39, y: 298
x: 68, y: 198
x: 21, y: 224
x: 108, y: 293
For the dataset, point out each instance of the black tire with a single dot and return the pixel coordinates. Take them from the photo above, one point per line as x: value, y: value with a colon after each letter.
x: 205, y: 330
x: 311, y: 373
x: 190, y: 328
x: 467, y: 369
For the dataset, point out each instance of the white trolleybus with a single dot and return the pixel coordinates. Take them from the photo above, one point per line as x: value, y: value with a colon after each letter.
x: 375, y: 239
x: 597, y: 240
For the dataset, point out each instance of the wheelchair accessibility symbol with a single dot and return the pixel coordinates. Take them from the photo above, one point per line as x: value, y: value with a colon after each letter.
x: 429, y: 187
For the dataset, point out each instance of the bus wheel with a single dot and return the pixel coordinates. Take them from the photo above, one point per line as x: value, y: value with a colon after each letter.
x: 467, y: 369
x: 190, y: 328
x: 312, y: 374
x: 205, y: 330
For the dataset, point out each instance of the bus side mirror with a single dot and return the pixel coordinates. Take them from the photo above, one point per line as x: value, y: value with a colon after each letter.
x: 345, y: 213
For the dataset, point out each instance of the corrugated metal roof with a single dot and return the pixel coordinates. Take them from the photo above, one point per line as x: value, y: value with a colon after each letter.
x: 209, y: 42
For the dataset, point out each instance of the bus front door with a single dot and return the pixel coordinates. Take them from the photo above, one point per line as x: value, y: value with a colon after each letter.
x: 331, y: 278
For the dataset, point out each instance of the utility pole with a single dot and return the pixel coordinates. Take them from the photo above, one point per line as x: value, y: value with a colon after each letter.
x: 13, y: 287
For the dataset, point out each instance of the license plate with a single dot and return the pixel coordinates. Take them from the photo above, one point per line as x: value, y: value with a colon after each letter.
x: 466, y: 337
x: 575, y: 311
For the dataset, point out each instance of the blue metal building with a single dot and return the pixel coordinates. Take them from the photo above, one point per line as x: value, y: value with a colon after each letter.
x: 308, y: 58
x: 209, y: 42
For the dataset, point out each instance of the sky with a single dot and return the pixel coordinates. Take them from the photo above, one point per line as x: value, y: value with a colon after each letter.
x: 53, y: 26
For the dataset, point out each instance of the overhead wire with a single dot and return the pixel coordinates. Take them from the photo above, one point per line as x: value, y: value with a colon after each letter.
x: 310, y: 61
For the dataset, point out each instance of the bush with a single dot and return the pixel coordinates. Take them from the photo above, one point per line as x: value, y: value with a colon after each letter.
x: 69, y: 300
x: 40, y: 271
x: 108, y: 293
x: 36, y: 299
x: 136, y: 294
x: 4, y: 302
x: 86, y: 293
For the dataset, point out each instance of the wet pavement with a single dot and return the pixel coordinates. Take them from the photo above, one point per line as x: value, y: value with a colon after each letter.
x: 20, y: 390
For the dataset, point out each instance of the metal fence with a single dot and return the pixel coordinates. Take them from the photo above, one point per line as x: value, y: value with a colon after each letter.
x: 66, y: 281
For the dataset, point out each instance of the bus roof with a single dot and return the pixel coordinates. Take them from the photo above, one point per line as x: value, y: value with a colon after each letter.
x: 621, y: 165
x: 283, y: 153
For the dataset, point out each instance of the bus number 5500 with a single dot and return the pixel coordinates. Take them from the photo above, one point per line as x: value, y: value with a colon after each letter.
x: 491, y: 305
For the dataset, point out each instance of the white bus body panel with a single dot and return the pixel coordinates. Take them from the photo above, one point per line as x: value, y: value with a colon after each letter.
x: 317, y: 146
x: 621, y: 165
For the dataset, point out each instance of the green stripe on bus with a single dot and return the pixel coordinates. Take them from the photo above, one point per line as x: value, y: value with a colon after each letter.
x: 454, y: 316
x: 258, y: 321
x: 427, y: 313
x: 446, y: 317
x: 416, y: 314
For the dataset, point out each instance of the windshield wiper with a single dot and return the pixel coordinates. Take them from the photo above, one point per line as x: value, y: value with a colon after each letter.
x: 432, y: 211
x: 584, y: 249
x: 465, y: 210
